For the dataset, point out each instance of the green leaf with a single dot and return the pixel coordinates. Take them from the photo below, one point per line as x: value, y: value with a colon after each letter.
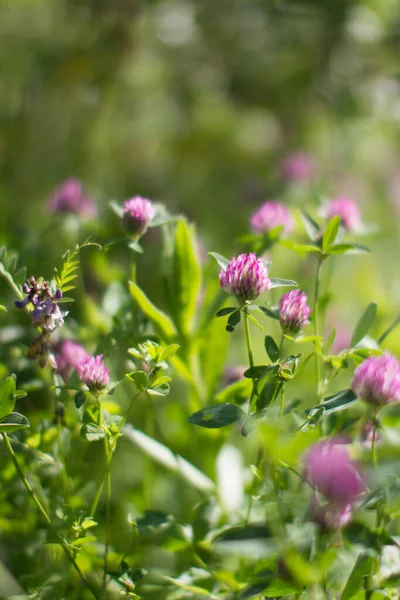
x: 255, y: 372
x: 139, y: 378
x: 186, y: 277
x: 162, y: 324
x: 218, y: 415
x: 2, y: 308
x: 282, y: 283
x: 252, y: 531
x: 92, y: 432
x: 7, y: 396
x: 268, y: 387
x: 271, y: 348
x: 233, y: 320
x: 226, y: 311
x: 330, y: 234
x: 338, y: 401
x: 13, y: 422
x: 221, y: 260
x: 136, y: 247
x: 299, y: 248
x: 312, y: 228
x: 272, y: 313
x: 364, y: 324
x: 237, y: 392
x: 79, y: 398
x: 355, y: 581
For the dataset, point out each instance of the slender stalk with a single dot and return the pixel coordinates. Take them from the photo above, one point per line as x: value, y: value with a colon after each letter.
x: 373, y: 448
x: 112, y: 444
x: 389, y: 330
x: 44, y: 514
x: 282, y: 394
x: 315, y: 319
x: 108, y: 513
x: 248, y: 337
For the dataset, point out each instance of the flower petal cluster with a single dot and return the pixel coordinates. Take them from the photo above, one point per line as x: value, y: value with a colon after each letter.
x: 377, y: 380
x: 297, y: 166
x: 69, y: 197
x: 271, y: 214
x: 348, y: 211
x: 329, y: 469
x: 67, y: 356
x: 46, y: 313
x: 92, y: 371
x: 246, y: 277
x: 138, y: 214
x: 293, y: 311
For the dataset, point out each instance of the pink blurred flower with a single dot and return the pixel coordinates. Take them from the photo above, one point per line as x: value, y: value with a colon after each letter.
x: 67, y: 355
x: 270, y: 215
x: 297, y: 166
x: 333, y: 474
x: 92, y: 371
x: 138, y: 214
x: 246, y: 277
x: 348, y: 211
x: 377, y: 380
x: 293, y: 311
x: 233, y: 373
x: 329, y: 516
x: 70, y: 198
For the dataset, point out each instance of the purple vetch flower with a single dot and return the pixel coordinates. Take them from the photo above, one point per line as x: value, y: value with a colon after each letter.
x: 46, y: 313
x: 329, y: 469
x: 293, y: 311
x: 270, y: 215
x: 67, y: 355
x: 92, y: 371
x: 348, y: 211
x: 297, y: 166
x: 246, y: 277
x: 138, y: 214
x: 69, y: 197
x: 377, y: 380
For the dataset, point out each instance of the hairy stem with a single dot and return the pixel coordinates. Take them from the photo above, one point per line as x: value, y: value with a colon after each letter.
x: 44, y: 514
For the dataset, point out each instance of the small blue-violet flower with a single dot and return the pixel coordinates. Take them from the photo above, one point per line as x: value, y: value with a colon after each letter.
x: 246, y: 277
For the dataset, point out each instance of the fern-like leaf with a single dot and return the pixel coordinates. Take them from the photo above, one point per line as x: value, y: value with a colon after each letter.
x: 68, y: 270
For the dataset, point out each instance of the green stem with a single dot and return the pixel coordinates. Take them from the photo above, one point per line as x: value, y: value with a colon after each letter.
x: 249, y: 350
x: 113, y: 445
x: 44, y: 514
x: 389, y: 330
x: 315, y: 320
x: 108, y: 455
x: 282, y: 394
x: 373, y: 449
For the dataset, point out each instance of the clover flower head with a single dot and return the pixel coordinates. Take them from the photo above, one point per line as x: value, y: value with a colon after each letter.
x: 137, y: 215
x: 377, y: 380
x: 93, y: 372
x: 67, y: 355
x: 329, y: 469
x: 270, y: 215
x: 246, y: 277
x: 348, y: 211
x: 69, y: 197
x: 293, y: 311
x: 297, y: 166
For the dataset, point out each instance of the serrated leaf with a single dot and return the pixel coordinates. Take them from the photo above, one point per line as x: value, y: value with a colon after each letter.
x: 92, y: 432
x: 216, y: 416
x: 13, y: 422
x: 162, y: 324
x: 364, y: 324
x: 7, y: 396
x: 221, y: 260
x: 330, y: 234
x: 271, y: 348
